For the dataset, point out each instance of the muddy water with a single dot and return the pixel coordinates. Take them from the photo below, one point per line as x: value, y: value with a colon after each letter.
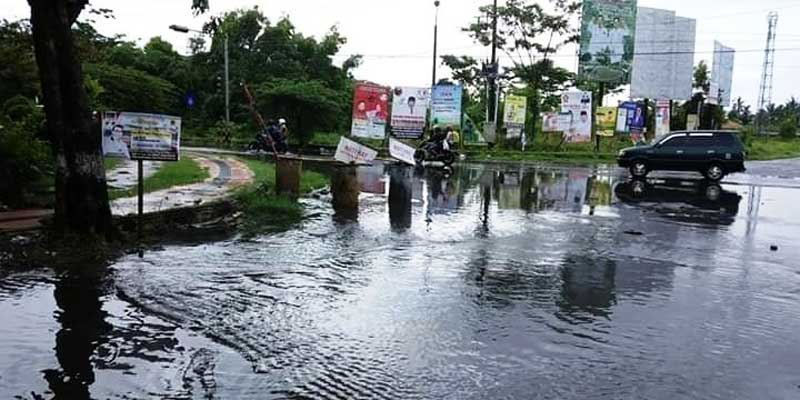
x: 495, y: 282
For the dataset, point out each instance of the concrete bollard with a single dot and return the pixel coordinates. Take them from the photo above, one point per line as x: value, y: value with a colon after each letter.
x: 345, y: 191
x: 287, y: 176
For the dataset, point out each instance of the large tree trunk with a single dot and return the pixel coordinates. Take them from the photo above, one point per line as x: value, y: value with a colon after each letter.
x: 81, y: 204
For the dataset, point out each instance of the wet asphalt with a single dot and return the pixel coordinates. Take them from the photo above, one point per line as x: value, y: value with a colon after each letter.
x: 492, y: 281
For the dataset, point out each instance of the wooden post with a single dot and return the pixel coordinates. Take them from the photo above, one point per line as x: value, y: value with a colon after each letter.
x: 287, y: 176
x: 345, y: 191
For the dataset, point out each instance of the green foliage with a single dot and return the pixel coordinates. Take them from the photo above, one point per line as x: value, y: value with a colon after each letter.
x: 18, y: 73
x: 788, y: 128
x: 25, y: 160
x: 128, y: 89
x: 184, y: 172
x: 308, y: 106
x: 701, y: 77
x: 773, y: 148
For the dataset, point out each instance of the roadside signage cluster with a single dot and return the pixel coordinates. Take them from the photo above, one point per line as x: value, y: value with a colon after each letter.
x: 578, y: 105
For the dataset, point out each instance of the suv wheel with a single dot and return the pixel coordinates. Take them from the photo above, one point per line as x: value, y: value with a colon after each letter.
x: 639, y: 169
x: 715, y: 172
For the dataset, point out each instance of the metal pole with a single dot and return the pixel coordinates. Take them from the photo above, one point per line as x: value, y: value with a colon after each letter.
x: 435, y: 41
x: 139, y: 221
x: 227, y: 85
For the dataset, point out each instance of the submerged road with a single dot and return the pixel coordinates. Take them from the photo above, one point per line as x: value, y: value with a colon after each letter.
x: 495, y: 282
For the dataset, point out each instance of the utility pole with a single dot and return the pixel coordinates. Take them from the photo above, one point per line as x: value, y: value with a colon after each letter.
x: 435, y: 41
x: 227, y: 84
x: 765, y: 91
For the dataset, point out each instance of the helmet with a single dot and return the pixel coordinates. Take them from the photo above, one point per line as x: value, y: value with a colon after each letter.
x: 282, y: 121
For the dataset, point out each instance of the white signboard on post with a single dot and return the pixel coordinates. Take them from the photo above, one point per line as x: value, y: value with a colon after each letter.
x: 350, y: 152
x: 409, y: 110
x: 401, y: 151
x: 138, y: 136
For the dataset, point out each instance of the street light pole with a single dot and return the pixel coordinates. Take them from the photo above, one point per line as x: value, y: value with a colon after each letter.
x: 227, y: 84
x: 183, y: 29
x: 435, y: 41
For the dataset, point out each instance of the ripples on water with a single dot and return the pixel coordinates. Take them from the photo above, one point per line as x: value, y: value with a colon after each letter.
x: 492, y: 283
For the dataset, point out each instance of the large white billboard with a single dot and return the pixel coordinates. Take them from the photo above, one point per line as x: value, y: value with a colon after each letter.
x: 663, y: 61
x: 722, y: 72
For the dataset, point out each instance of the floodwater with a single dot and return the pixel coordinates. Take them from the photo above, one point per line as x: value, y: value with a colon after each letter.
x: 501, y: 282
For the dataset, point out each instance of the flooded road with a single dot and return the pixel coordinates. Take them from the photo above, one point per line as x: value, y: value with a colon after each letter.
x: 493, y: 282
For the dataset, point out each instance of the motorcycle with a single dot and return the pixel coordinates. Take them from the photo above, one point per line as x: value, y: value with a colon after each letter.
x: 264, y: 143
x: 432, y: 151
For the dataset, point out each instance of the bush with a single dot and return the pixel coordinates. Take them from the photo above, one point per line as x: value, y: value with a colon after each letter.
x: 25, y: 160
x: 788, y: 128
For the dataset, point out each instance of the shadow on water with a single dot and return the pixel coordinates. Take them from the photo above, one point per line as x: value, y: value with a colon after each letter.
x: 682, y: 200
x: 83, y: 329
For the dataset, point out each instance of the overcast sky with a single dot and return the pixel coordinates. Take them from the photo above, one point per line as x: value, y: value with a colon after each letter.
x: 395, y: 37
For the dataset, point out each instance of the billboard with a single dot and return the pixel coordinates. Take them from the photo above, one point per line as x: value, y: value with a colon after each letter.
x: 722, y: 73
x: 662, y: 117
x: 514, y: 115
x: 607, y: 39
x: 138, y: 136
x: 446, y: 105
x: 664, y: 59
x: 631, y: 118
x: 370, y: 111
x: 409, y: 110
x: 579, y: 107
x: 606, y: 120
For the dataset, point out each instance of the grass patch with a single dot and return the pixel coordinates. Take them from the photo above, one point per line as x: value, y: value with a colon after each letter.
x: 263, y: 209
x: 111, y: 163
x: 772, y: 148
x: 184, y: 172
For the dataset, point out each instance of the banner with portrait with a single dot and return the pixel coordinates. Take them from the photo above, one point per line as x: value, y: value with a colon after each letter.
x: 370, y: 111
x: 139, y: 136
x: 579, y: 107
x: 409, y: 110
x: 662, y: 117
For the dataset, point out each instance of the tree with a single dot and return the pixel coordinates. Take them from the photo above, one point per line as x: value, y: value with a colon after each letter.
x: 529, y: 35
x: 308, y: 106
x: 81, y: 200
x: 701, y: 77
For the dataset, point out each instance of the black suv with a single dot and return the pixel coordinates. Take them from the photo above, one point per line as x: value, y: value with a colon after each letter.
x: 712, y: 153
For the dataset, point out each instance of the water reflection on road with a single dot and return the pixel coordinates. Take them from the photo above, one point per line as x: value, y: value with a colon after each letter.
x: 487, y: 282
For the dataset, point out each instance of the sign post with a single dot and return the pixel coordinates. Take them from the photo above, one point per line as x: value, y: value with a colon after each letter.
x: 139, y: 219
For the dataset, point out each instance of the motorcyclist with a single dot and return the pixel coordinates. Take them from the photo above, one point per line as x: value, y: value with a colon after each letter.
x: 284, y: 129
x: 272, y: 136
x: 437, y: 140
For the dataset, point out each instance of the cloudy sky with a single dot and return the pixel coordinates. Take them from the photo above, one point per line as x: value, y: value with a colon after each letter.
x: 395, y: 37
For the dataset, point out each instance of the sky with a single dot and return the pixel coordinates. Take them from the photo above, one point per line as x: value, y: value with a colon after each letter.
x: 395, y: 37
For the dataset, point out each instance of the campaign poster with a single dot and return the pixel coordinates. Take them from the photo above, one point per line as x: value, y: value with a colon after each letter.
x: 409, y: 110
x: 514, y: 116
x: 556, y: 121
x: 446, y: 105
x: 138, y: 136
x: 370, y: 111
x: 606, y: 120
x: 606, y: 42
x: 662, y: 117
x: 579, y: 107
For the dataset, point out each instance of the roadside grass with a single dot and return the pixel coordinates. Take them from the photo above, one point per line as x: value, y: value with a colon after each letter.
x: 110, y: 163
x: 184, y: 172
x: 263, y: 209
x: 772, y: 148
